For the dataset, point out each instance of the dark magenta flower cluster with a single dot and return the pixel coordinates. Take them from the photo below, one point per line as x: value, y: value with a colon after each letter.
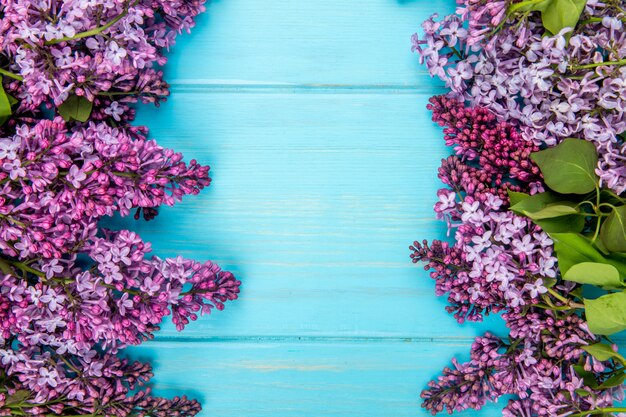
x: 72, y: 293
x: 501, y: 262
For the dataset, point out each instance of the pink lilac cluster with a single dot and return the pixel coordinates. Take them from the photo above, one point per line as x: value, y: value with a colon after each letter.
x: 572, y: 84
x: 58, y: 180
x: 72, y: 293
x: 500, y: 262
x: 107, y: 50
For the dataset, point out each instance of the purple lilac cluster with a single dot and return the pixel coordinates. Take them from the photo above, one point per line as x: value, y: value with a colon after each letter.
x: 495, y: 249
x: 501, y: 262
x: 72, y: 293
x: 543, y: 385
x: 105, y: 50
x: 572, y: 84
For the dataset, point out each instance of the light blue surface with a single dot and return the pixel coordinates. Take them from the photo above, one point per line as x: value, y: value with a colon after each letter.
x: 312, y: 116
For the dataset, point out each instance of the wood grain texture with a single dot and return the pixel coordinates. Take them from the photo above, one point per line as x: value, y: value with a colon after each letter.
x: 310, y: 378
x: 324, y: 159
x: 316, y: 197
x: 332, y: 42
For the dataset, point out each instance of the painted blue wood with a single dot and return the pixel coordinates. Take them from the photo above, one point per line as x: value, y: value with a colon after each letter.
x: 291, y: 378
x: 312, y: 117
x: 316, y: 197
x: 333, y: 42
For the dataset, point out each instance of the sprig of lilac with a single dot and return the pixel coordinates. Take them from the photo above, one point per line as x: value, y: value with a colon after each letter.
x: 108, y: 52
x: 73, y: 294
x: 495, y: 55
x: 58, y: 180
x: 500, y: 262
x: 73, y: 289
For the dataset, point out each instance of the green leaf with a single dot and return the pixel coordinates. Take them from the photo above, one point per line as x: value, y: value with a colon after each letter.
x: 5, y: 105
x: 582, y: 392
x: 524, y: 204
x: 553, y: 210
x: 603, y: 352
x: 600, y: 245
x: 588, y: 377
x: 515, y: 197
x: 572, y: 249
x: 614, y: 381
x: 613, y: 232
x: 75, y: 108
x: 530, y: 7
x: 606, y: 315
x: 600, y: 274
x: 566, y: 224
x: 18, y: 397
x: 560, y: 14
x: 532, y: 203
x: 5, y: 267
x: 12, y: 100
x: 569, y: 167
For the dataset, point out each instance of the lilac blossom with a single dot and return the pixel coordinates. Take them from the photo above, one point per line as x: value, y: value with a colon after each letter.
x: 73, y: 294
x: 73, y: 287
x: 503, y: 263
x: 107, y: 52
x: 572, y: 84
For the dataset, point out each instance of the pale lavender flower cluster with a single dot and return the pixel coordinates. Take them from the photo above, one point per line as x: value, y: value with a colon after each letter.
x: 111, y: 50
x: 501, y: 262
x: 572, y: 84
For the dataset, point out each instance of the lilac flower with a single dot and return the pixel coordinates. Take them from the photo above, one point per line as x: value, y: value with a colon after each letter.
x: 76, y: 176
x: 73, y: 294
x: 116, y: 61
x: 47, y: 378
x: 115, y: 54
x: 51, y: 268
x: 536, y: 289
x: 453, y: 32
x: 500, y: 262
x: 545, y: 85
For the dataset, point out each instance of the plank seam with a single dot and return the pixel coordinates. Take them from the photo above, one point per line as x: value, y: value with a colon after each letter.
x: 208, y: 87
x: 314, y: 339
x: 439, y: 340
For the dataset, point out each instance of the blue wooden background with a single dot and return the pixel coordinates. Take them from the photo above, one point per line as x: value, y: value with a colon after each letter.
x: 312, y: 116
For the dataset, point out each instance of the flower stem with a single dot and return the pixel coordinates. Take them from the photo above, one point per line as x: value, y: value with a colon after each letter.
x: 118, y: 93
x: 11, y: 75
x: 567, y: 301
x: 599, y: 411
x: 598, y: 64
x: 23, y: 267
x: 94, y: 31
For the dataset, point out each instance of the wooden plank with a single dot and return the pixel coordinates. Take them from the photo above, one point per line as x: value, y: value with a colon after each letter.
x: 303, y: 42
x: 324, y: 161
x: 295, y: 379
x: 315, y: 200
